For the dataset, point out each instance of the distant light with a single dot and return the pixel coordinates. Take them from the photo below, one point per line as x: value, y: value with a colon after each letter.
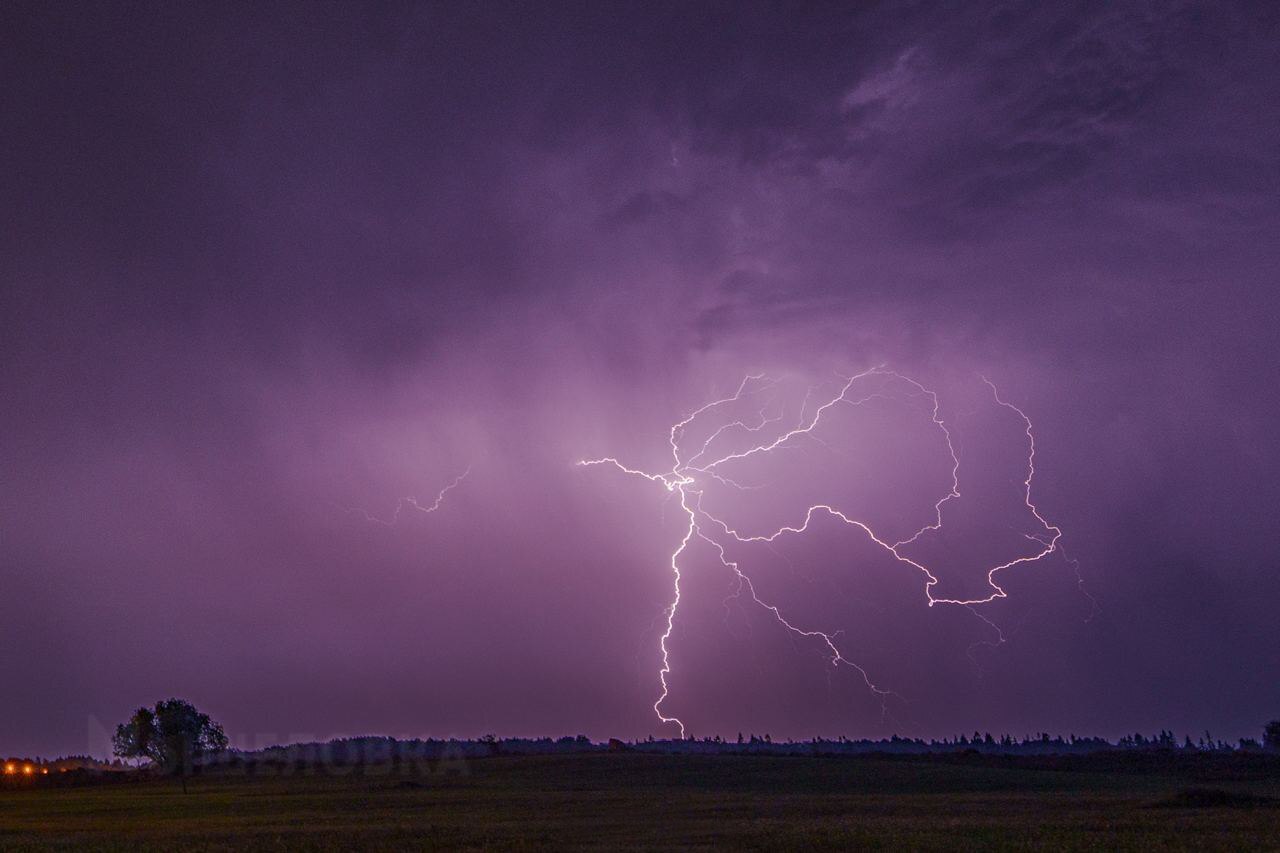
x: 45, y: 772
x: 10, y: 768
x: 28, y: 769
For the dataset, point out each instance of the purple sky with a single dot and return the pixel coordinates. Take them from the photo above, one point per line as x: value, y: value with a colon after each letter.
x: 258, y: 265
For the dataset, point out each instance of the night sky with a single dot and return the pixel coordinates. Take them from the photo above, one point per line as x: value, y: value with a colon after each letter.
x: 268, y: 269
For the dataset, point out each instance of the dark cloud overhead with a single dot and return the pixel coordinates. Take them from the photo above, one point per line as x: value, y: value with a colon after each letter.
x: 258, y: 265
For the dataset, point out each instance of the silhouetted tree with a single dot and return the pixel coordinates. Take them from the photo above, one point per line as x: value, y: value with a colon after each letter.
x: 173, y: 736
x: 1271, y: 736
x: 137, y: 738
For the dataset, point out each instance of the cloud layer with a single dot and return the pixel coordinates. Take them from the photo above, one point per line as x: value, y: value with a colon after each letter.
x: 263, y: 266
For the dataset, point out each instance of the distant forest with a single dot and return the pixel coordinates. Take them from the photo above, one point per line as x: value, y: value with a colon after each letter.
x: 360, y: 751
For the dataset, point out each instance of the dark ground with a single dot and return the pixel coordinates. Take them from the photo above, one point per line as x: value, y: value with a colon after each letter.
x: 635, y: 800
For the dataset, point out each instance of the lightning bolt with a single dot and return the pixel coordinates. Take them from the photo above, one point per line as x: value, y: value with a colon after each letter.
x: 999, y: 641
x: 411, y: 503
x: 691, y: 469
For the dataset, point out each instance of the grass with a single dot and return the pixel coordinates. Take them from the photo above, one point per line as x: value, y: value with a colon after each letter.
x: 637, y: 801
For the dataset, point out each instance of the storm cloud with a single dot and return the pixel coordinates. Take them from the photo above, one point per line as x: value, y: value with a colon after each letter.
x: 262, y: 266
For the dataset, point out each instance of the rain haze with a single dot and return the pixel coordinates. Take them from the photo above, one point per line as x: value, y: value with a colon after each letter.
x: 266, y: 272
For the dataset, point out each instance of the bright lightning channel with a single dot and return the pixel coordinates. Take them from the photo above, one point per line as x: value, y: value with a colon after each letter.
x: 683, y: 480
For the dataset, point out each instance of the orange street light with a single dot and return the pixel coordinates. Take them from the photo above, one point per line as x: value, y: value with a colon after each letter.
x: 28, y: 769
x: 10, y: 768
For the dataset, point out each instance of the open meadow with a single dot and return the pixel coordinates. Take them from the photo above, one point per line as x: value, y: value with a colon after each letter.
x: 644, y: 801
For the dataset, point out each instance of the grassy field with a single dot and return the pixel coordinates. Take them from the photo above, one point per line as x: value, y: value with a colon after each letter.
x: 656, y: 802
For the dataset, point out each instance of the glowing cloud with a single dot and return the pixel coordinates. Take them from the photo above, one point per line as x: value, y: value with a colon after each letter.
x: 694, y: 469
